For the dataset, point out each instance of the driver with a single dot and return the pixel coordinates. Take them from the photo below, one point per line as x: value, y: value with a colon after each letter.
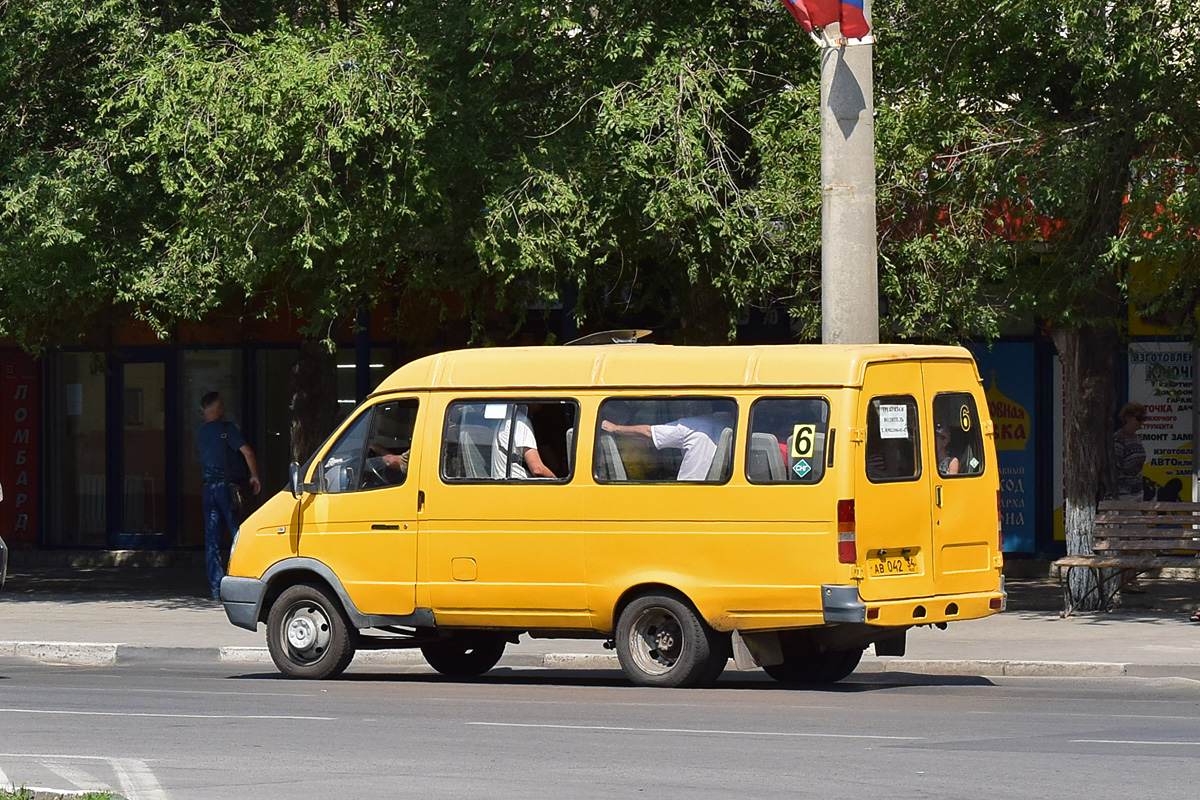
x: 396, y: 466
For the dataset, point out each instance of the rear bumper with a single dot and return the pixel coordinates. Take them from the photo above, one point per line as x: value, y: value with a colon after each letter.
x: 842, y: 604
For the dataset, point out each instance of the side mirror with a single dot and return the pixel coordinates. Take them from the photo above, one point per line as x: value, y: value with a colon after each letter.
x: 294, y: 480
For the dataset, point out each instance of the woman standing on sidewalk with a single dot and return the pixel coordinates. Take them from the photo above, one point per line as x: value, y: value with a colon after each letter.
x: 1129, y: 455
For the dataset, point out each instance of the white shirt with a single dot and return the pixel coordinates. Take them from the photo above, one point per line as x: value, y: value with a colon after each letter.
x: 697, y: 437
x: 523, y: 439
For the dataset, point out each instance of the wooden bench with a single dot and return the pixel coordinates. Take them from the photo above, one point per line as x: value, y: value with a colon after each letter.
x: 1138, y: 536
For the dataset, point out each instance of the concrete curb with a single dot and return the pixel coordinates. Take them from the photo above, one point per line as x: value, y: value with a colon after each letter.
x: 91, y: 654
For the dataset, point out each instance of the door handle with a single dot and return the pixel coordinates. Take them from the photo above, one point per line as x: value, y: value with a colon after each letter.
x: 420, y: 500
x: 379, y: 526
x: 937, y: 495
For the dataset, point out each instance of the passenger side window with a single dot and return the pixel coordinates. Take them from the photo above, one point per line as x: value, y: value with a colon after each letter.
x: 675, y: 439
x: 504, y: 440
x: 787, y: 440
x: 893, y: 440
x: 958, y: 441
x: 373, y: 452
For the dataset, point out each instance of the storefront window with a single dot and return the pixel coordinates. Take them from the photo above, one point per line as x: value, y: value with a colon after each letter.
x: 380, y: 367
x: 273, y: 416
x: 77, y: 452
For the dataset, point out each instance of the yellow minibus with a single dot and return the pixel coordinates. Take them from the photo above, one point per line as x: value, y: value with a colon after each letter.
x: 783, y: 506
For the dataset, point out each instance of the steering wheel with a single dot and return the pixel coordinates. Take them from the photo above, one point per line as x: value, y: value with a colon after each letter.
x: 376, y: 468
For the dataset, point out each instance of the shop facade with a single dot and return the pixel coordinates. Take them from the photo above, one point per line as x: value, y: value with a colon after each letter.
x: 100, y: 453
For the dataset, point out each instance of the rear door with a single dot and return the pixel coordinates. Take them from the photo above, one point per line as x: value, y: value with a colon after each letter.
x: 892, y: 488
x: 964, y: 477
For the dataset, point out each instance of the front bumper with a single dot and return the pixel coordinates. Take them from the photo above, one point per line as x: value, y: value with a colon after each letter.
x: 242, y: 598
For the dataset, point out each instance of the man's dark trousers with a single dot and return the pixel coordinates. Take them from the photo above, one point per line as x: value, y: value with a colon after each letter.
x: 218, y: 514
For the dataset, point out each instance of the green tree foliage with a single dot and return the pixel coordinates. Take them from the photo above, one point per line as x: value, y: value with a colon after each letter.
x: 670, y: 159
x: 210, y: 166
x: 619, y: 157
x: 1071, y: 125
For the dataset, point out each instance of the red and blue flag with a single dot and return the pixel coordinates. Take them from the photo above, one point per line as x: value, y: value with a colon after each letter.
x: 819, y: 13
x: 854, y: 20
x: 813, y: 13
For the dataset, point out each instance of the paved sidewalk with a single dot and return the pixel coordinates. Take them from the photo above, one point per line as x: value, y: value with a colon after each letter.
x: 106, y: 616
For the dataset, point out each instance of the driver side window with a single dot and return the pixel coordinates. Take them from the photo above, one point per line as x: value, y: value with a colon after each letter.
x: 373, y: 452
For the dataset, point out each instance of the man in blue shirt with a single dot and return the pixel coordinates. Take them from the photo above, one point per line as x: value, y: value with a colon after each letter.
x: 219, y: 443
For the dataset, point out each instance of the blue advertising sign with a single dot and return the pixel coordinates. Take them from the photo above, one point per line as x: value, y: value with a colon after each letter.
x: 1007, y: 369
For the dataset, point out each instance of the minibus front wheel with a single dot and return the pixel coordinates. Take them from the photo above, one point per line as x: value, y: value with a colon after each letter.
x: 662, y: 641
x: 308, y: 634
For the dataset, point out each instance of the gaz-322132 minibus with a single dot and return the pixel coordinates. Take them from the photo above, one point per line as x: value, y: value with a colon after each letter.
x: 783, y: 506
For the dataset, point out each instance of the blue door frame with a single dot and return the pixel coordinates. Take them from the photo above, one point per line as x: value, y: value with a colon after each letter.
x: 118, y: 536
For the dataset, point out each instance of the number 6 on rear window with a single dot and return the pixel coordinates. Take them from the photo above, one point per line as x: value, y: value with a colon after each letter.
x: 804, y: 437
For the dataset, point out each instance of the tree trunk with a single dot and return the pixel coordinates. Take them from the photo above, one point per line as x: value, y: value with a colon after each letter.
x: 1088, y: 357
x: 314, y: 398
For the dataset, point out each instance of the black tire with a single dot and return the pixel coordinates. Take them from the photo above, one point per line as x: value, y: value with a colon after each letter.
x: 662, y: 641
x: 308, y: 634
x: 804, y: 663
x: 464, y: 656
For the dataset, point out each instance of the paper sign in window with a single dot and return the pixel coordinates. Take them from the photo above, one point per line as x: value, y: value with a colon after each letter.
x: 893, y: 422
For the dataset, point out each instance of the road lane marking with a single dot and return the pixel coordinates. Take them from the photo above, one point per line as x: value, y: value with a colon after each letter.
x: 137, y: 781
x: 1135, y: 741
x: 432, y: 699
x: 79, y: 778
x: 621, y: 729
x: 1089, y: 714
x: 202, y: 693
x: 163, y: 716
x: 64, y: 757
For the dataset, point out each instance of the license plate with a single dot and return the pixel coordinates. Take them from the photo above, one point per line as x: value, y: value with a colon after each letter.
x: 893, y: 565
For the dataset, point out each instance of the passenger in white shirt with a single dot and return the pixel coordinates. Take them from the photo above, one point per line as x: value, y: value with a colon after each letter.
x: 696, y: 436
x: 526, y: 462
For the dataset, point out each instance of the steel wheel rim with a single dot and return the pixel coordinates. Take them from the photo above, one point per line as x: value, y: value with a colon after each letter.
x: 306, y: 633
x: 656, y: 641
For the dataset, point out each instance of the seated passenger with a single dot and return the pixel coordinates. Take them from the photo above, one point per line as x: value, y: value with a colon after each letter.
x: 695, y: 436
x: 527, y: 462
x: 947, y: 464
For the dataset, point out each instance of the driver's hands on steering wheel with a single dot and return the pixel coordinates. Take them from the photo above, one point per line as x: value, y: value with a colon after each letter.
x: 394, y: 461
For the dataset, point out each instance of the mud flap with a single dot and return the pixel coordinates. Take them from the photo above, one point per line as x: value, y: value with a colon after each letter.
x: 892, y: 645
x: 754, y: 650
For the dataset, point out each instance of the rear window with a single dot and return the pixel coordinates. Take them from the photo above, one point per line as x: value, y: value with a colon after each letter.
x: 958, y: 441
x: 893, y: 439
x: 788, y: 440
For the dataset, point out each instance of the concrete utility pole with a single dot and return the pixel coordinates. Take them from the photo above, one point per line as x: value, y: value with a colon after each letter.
x: 849, y: 270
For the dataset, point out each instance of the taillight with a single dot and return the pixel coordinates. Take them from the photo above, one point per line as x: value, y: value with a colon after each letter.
x: 999, y: 523
x: 847, y: 547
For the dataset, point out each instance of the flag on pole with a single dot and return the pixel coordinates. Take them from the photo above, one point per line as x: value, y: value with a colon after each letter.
x: 854, y: 21
x: 819, y: 13
x: 813, y: 13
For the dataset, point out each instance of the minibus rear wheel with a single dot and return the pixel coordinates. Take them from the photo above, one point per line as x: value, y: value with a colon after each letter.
x: 662, y: 641
x: 804, y: 663
x: 464, y: 656
x: 308, y: 634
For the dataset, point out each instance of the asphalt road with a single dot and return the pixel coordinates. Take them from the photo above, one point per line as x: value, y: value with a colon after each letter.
x: 219, y: 731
